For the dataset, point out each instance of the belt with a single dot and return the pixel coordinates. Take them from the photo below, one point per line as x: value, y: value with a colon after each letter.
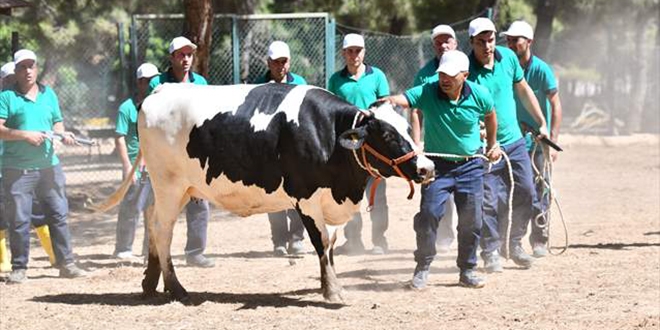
x: 455, y: 161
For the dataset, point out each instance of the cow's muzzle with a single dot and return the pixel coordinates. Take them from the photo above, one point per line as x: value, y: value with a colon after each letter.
x: 425, y: 170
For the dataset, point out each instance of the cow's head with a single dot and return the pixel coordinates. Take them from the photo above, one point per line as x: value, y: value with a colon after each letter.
x: 382, y: 137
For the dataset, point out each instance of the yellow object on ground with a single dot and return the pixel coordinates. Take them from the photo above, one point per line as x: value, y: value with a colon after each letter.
x: 5, y: 260
x: 44, y: 237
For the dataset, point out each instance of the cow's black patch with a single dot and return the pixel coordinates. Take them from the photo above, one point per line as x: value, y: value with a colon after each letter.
x: 306, y: 156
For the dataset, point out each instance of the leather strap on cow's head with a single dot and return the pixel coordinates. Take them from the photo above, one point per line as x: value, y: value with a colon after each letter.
x: 373, y: 172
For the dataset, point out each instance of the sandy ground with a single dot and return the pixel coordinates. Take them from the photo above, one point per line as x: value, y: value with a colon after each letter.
x: 608, y: 279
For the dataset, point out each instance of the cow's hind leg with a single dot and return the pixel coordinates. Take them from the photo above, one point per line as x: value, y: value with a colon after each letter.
x: 152, y: 273
x: 166, y: 211
x: 323, y: 240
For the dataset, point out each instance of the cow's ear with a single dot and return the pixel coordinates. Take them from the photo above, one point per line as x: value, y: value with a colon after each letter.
x: 353, y: 138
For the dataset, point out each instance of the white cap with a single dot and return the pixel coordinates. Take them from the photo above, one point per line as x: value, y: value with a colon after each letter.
x: 480, y: 24
x: 519, y: 29
x: 443, y: 29
x: 146, y: 70
x: 24, y: 54
x: 180, y: 42
x: 353, y: 40
x: 453, y: 62
x: 7, y: 70
x: 278, y: 49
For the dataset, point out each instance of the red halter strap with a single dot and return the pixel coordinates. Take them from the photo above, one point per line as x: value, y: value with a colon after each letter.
x: 394, y: 163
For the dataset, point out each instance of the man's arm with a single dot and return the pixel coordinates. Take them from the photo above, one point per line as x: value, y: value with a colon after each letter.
x: 398, y: 99
x: 556, y: 117
x: 416, y: 120
x: 67, y: 137
x: 493, y: 151
x: 122, y: 152
x: 32, y: 137
x: 526, y: 95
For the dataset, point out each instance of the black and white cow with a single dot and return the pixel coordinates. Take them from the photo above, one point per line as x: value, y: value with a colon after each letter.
x: 265, y: 148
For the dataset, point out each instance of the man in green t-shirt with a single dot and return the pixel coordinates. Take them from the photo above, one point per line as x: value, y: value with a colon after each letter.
x: 541, y: 79
x: 497, y: 69
x: 182, y: 55
x: 29, y: 114
x: 452, y: 108
x: 283, y: 232
x: 444, y: 39
x: 139, y: 194
x: 361, y: 85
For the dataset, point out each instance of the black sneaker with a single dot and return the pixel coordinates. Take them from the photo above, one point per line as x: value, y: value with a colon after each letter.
x: 17, y: 276
x: 199, y: 261
x: 539, y: 250
x: 492, y: 262
x: 469, y: 279
x: 420, y: 277
x: 350, y: 248
x: 71, y: 271
x: 296, y: 248
x: 520, y: 257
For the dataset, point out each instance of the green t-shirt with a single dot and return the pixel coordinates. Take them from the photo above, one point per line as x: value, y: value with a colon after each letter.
x: 371, y: 86
x: 542, y: 81
x: 127, y: 127
x: 24, y: 114
x: 427, y: 73
x: 291, y: 79
x: 499, y: 81
x: 168, y: 77
x: 452, y: 127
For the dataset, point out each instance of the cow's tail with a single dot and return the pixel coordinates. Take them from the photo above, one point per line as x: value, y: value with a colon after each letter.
x: 118, y: 195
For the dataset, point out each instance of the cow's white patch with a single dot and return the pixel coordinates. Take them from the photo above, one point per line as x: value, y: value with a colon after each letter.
x: 176, y: 107
x: 290, y: 106
x: 386, y: 113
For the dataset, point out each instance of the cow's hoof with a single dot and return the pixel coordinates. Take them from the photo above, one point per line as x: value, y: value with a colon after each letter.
x: 334, y: 297
x: 148, y: 294
x: 183, y: 299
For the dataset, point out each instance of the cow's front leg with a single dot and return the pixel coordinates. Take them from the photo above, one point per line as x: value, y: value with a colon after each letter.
x: 323, y: 240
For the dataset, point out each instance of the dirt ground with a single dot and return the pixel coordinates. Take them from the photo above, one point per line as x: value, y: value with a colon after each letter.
x: 608, y: 279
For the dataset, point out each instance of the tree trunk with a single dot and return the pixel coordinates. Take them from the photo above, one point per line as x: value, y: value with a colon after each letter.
x: 545, y: 13
x: 199, y: 29
x: 485, y: 4
x: 638, y: 74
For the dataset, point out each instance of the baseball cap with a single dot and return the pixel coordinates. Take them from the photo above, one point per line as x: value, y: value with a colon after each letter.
x: 519, y: 29
x: 180, y: 42
x: 453, y: 62
x: 7, y: 70
x: 353, y: 40
x: 443, y: 29
x: 146, y: 70
x: 480, y: 24
x: 24, y: 54
x: 278, y: 49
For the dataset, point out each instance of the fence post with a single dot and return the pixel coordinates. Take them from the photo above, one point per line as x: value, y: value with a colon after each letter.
x: 132, y: 31
x: 329, y: 48
x: 236, y: 51
x: 122, y: 60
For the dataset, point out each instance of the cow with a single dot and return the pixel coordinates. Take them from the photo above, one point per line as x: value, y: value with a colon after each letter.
x: 264, y: 148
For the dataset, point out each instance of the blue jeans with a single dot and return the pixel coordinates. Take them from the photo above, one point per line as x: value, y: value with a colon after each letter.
x: 465, y: 181
x: 282, y: 231
x: 135, y: 202
x: 47, y: 185
x: 38, y: 218
x: 197, y: 220
x: 379, y: 217
x: 496, y: 198
x: 539, y: 235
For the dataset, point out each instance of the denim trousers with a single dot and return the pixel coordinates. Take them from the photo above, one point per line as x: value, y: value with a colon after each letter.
x: 38, y: 218
x: 539, y: 234
x: 379, y: 217
x: 135, y: 202
x: 283, y: 231
x: 497, y: 186
x: 465, y: 181
x: 48, y: 186
x: 197, y: 221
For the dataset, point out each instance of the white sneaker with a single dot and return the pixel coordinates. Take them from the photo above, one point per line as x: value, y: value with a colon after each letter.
x: 126, y: 255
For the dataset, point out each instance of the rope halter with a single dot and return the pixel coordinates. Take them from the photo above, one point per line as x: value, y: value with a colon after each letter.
x: 373, y: 172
